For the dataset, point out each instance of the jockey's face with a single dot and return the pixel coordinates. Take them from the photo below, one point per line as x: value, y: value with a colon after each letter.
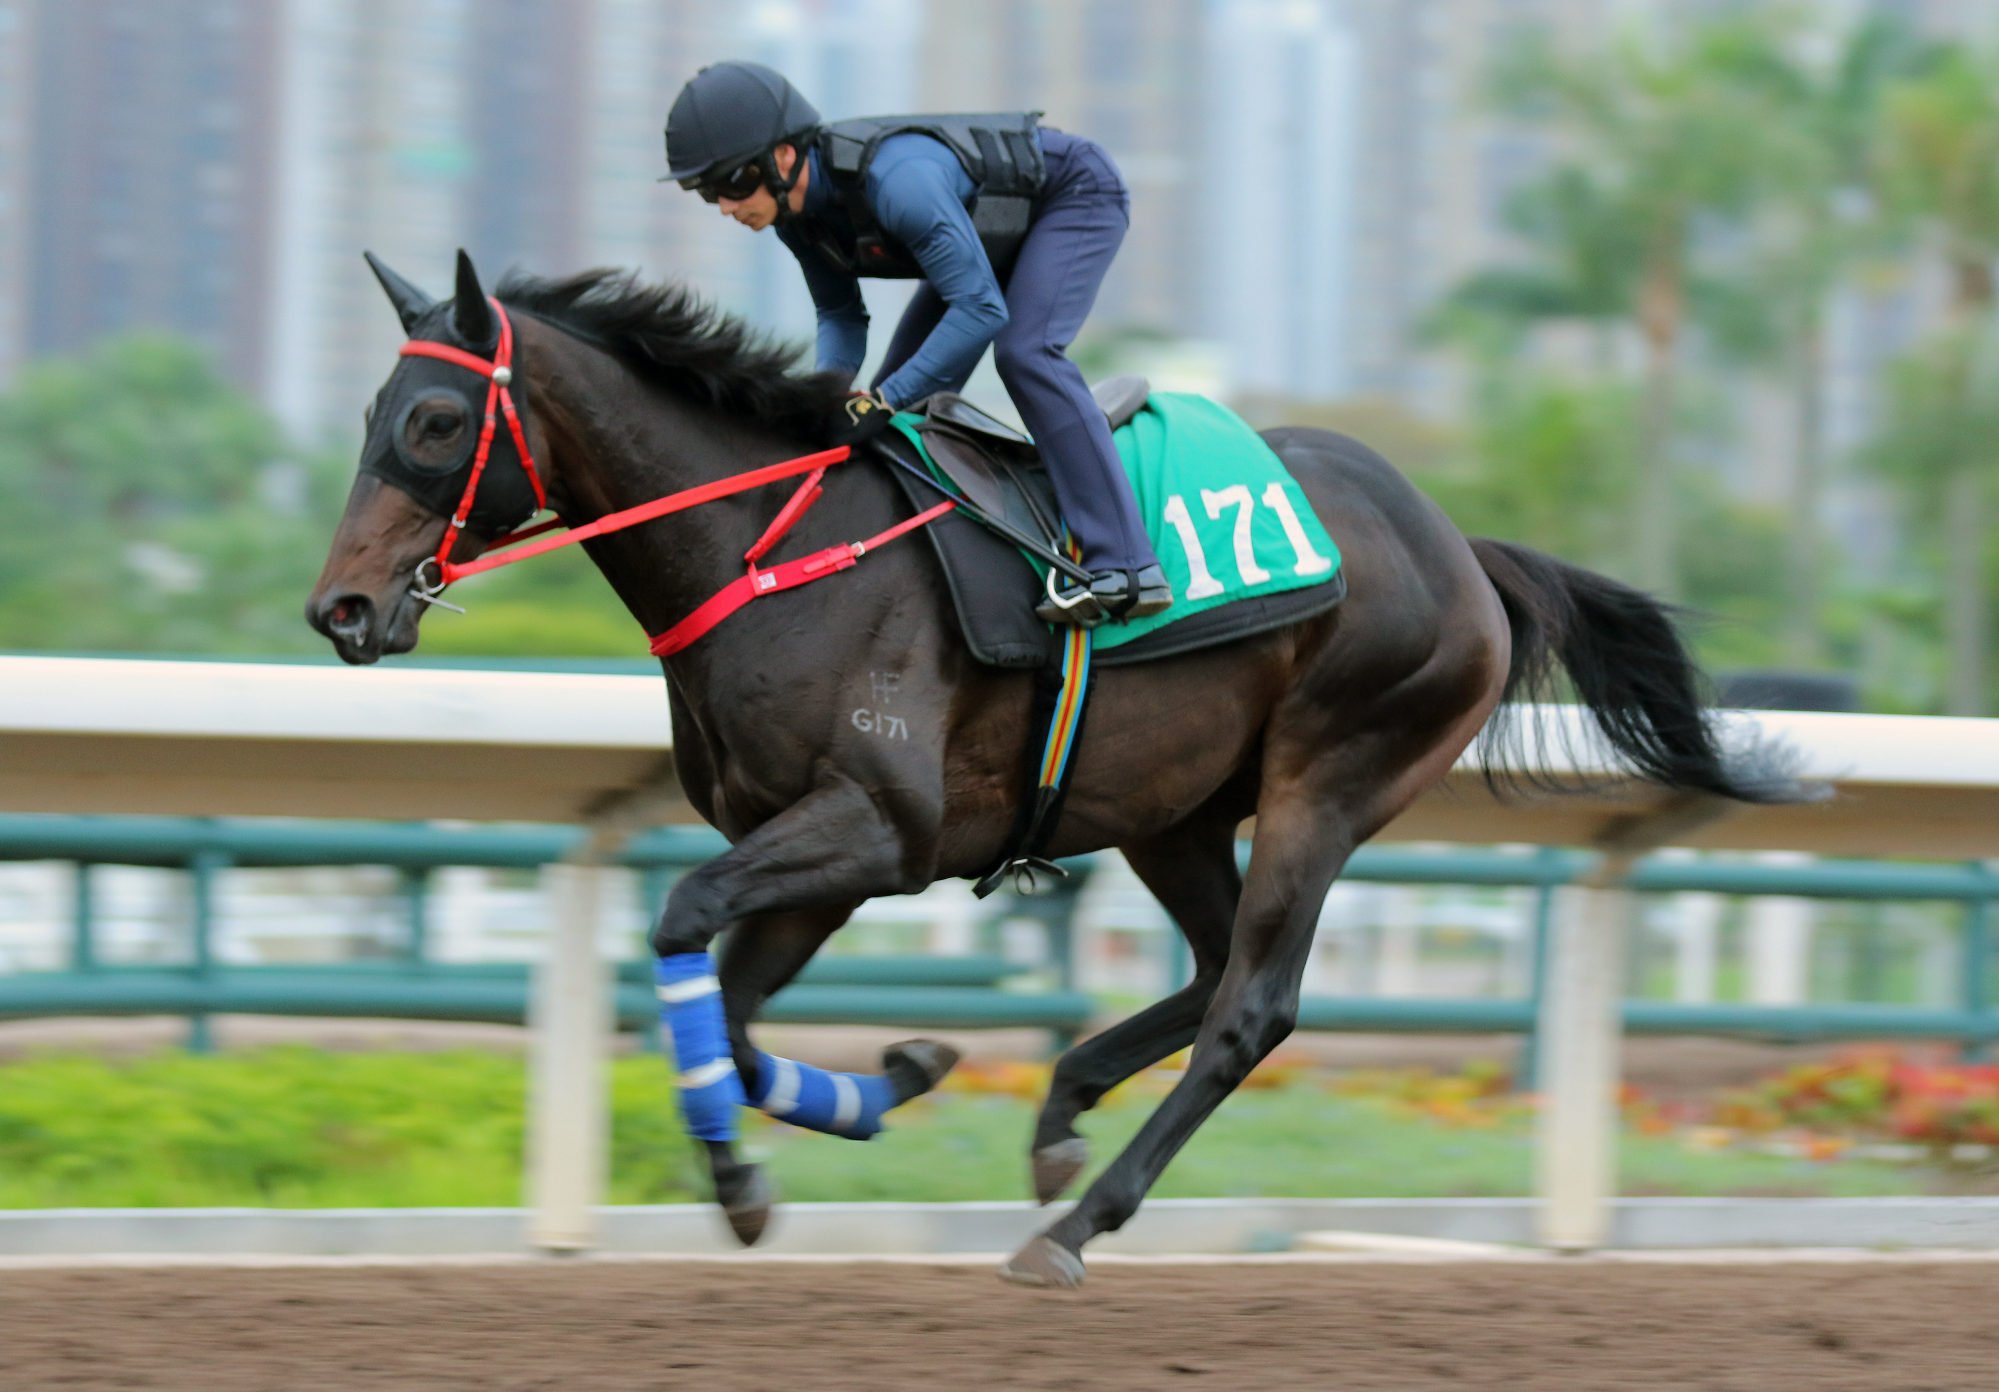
x: 759, y: 210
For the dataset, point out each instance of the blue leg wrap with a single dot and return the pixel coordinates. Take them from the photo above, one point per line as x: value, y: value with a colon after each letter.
x: 690, y: 1005
x: 840, y: 1104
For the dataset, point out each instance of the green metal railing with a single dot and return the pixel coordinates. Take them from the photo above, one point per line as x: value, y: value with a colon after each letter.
x: 919, y: 991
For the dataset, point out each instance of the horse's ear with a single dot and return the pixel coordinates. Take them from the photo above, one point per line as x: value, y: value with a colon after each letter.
x: 409, y: 301
x: 470, y: 314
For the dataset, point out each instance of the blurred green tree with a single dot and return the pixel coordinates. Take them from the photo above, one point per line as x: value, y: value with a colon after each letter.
x: 1820, y: 220
x: 1941, y: 165
x: 1665, y: 139
x: 1546, y: 462
x: 152, y: 508
x: 1935, y: 441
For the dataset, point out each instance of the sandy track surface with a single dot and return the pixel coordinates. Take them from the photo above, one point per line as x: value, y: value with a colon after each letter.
x: 1910, y: 1326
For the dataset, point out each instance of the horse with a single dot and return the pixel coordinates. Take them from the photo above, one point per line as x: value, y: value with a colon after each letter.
x: 1322, y: 731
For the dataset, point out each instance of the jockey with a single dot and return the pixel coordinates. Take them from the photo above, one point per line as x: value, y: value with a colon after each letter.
x: 1010, y: 225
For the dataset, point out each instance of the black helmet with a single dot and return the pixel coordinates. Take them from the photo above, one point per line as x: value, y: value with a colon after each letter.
x: 729, y: 113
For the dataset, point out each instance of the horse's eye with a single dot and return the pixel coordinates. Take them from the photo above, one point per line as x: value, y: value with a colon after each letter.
x: 431, y: 434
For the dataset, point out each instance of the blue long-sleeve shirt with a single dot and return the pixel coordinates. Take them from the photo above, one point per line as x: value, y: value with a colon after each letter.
x: 919, y: 193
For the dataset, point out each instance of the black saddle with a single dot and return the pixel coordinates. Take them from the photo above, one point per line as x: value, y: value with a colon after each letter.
x: 1121, y: 397
x: 996, y: 469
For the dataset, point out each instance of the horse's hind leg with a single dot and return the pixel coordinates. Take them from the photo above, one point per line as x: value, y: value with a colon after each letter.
x: 1320, y: 798
x: 1299, y: 849
x: 1191, y: 870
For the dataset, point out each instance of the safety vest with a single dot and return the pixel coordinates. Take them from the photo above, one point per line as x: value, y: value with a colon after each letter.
x: 1001, y: 154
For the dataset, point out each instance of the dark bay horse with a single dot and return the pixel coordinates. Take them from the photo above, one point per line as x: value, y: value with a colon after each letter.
x: 1323, y: 731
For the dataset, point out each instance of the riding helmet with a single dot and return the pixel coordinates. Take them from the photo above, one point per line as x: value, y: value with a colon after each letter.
x: 732, y: 112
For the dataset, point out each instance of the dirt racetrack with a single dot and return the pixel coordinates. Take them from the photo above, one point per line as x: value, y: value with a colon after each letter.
x: 1909, y: 1326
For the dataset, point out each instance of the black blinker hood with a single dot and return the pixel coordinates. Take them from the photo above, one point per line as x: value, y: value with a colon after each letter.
x: 505, y: 498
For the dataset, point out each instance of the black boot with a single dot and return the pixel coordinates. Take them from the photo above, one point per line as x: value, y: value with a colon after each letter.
x: 1112, y: 594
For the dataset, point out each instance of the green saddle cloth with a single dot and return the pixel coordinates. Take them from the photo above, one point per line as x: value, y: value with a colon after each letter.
x: 1225, y: 516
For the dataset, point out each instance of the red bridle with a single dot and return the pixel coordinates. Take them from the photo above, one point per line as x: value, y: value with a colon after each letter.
x: 499, y: 373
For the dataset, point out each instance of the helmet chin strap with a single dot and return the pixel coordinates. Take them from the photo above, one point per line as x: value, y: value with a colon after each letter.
x: 780, y: 189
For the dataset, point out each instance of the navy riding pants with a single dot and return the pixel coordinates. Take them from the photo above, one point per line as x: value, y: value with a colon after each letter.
x: 1079, y: 222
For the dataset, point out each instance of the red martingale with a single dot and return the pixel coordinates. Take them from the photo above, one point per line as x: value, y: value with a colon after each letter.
x: 754, y: 584
x: 785, y: 576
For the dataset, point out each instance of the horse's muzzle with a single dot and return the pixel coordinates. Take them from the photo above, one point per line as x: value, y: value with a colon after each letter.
x: 359, y: 631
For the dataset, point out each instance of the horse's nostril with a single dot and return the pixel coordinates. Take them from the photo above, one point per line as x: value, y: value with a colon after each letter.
x: 348, y: 617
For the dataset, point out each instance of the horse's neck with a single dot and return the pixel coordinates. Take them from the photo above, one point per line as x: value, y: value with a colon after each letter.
x: 616, y: 444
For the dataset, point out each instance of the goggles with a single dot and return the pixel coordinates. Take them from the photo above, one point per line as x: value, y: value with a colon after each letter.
x: 735, y: 184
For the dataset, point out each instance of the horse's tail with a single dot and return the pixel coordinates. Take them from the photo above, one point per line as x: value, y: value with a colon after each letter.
x: 1627, y: 664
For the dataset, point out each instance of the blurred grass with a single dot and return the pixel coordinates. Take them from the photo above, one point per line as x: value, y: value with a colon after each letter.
x: 298, y: 1127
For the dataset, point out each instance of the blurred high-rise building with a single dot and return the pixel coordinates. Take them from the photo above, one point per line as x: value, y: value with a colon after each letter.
x: 641, y: 52
x: 1436, y: 167
x: 531, y: 135
x: 1125, y: 73
x: 1278, y: 156
x: 849, y: 58
x: 415, y: 127
x: 1976, y: 20
x: 16, y: 179
x: 152, y: 159
x: 376, y: 156
x: 1308, y: 176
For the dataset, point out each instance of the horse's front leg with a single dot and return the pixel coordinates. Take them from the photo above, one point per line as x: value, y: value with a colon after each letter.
x: 811, y: 864
x: 759, y: 956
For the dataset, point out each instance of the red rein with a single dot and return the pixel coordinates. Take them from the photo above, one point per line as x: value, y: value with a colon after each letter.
x: 754, y: 584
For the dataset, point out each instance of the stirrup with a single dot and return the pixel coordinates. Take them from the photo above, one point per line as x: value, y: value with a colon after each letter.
x: 1083, y: 609
x: 1025, y: 871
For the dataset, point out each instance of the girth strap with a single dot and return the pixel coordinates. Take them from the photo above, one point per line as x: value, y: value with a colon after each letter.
x: 1061, y: 697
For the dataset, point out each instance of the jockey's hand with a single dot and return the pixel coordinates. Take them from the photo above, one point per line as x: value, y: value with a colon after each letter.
x: 862, y: 416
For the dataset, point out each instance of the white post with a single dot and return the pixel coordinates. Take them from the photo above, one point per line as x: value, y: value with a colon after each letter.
x: 568, y: 1108
x: 1399, y: 967
x: 1580, y: 1032
x: 459, y: 894
x: 1780, y: 942
x: 1938, y: 967
x: 1696, y: 948
x: 1357, y: 946
x: 954, y: 918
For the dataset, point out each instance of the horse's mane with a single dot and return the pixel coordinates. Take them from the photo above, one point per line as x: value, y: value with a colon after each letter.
x: 670, y: 336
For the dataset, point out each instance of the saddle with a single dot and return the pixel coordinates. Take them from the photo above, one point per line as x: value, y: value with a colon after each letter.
x: 997, y: 470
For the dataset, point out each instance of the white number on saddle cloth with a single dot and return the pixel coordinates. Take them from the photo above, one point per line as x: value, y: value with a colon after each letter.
x: 1310, y: 562
x: 1203, y: 585
x: 1237, y: 495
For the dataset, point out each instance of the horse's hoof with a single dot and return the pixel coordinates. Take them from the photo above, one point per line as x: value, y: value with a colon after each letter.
x: 915, y: 1066
x: 1056, y: 1167
x: 748, y: 1209
x: 1044, y: 1262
